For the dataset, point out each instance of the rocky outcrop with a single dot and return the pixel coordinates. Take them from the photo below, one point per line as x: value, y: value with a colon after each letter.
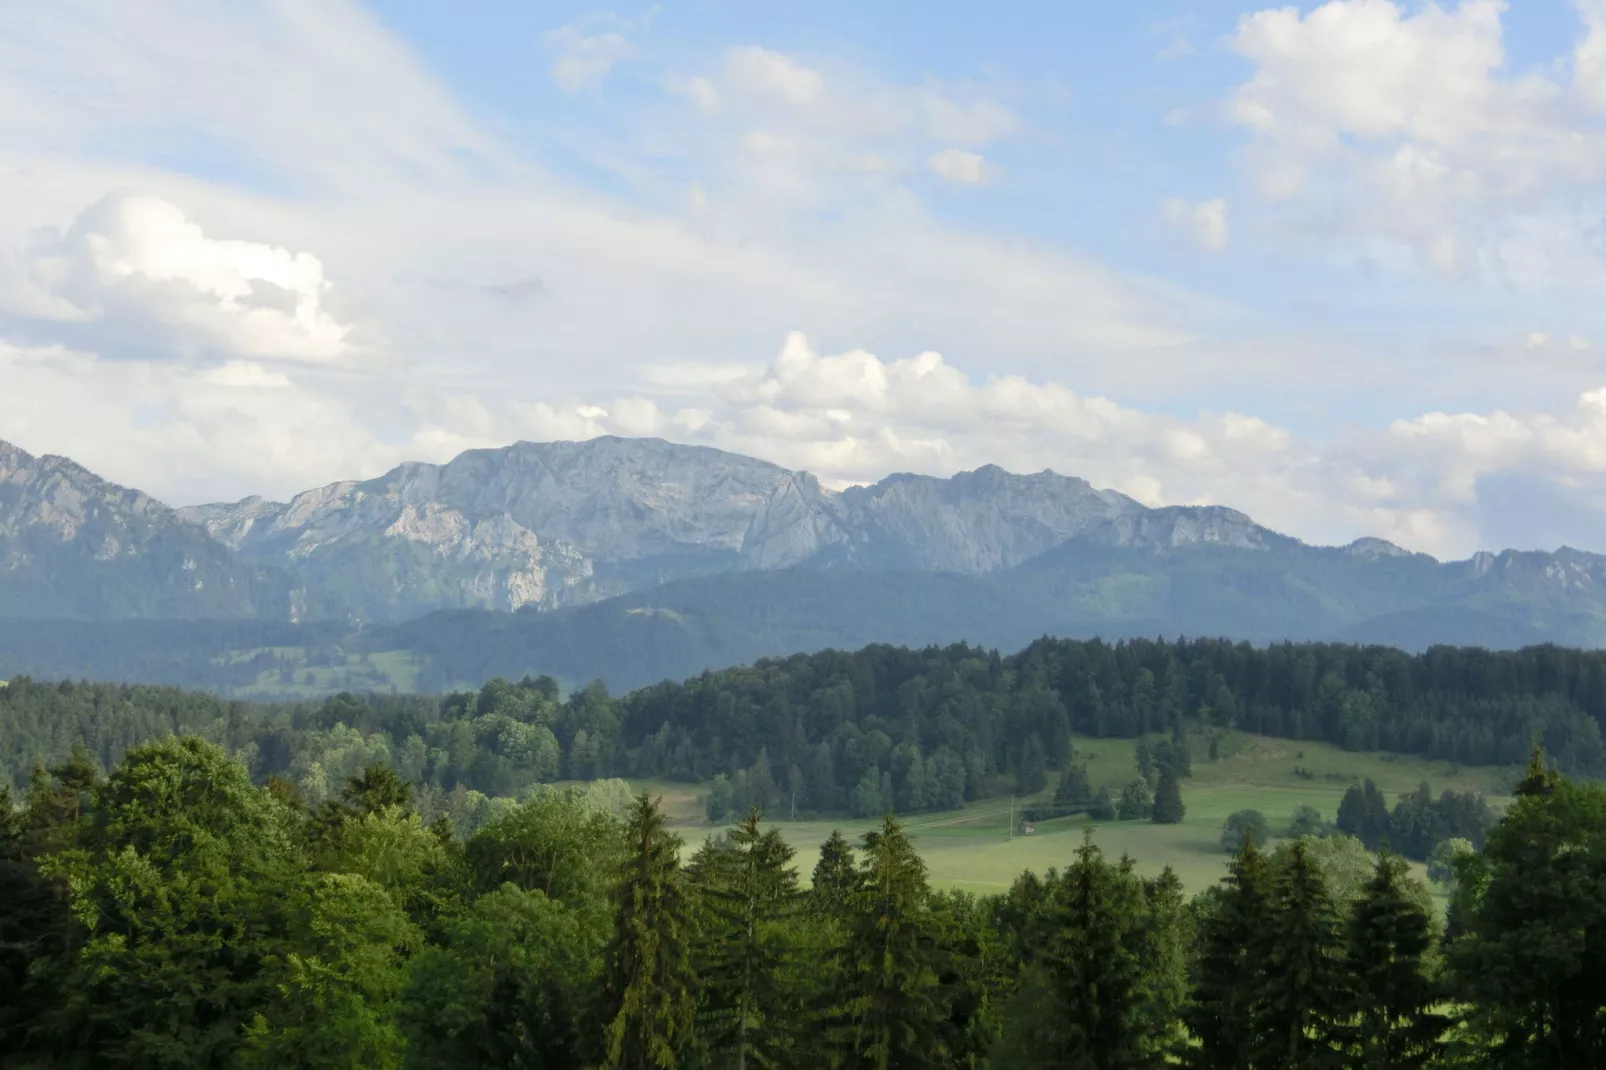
x: 1177, y: 527
x: 555, y: 524
x: 74, y: 545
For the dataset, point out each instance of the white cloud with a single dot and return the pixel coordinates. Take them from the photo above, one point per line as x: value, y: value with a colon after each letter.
x: 135, y: 261
x: 796, y: 131
x: 774, y: 76
x: 1427, y: 482
x: 700, y: 90
x: 1204, y: 225
x: 1408, y: 125
x: 1589, y: 59
x: 960, y: 167
x: 585, y: 59
x: 184, y: 434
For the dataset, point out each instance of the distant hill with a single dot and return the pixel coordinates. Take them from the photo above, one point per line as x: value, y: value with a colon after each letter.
x: 637, y: 559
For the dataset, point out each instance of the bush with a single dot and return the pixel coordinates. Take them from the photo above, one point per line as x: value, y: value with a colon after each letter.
x: 1137, y: 802
x: 1244, y: 823
x: 1308, y: 821
x: 1441, y: 863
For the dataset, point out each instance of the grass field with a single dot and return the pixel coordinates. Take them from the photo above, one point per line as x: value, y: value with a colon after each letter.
x: 973, y: 849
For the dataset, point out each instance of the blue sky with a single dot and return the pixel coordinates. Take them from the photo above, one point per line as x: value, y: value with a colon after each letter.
x: 1334, y: 264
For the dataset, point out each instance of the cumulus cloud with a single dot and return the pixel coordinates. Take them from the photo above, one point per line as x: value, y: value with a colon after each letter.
x: 1432, y: 482
x: 960, y: 167
x: 585, y: 59
x: 134, y: 264
x: 185, y: 433
x: 1204, y: 225
x: 1407, y: 124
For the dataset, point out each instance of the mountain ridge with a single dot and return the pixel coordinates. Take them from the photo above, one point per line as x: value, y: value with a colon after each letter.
x: 623, y: 525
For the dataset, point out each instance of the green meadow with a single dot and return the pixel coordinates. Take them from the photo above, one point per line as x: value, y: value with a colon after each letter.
x: 978, y: 848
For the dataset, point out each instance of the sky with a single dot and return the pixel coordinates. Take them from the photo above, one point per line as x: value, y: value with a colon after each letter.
x: 1337, y: 265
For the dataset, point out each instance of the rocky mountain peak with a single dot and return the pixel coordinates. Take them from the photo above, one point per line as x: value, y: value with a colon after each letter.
x: 1375, y: 549
x: 1177, y: 526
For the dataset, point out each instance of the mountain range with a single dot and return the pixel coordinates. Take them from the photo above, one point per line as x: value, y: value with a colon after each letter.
x: 635, y: 558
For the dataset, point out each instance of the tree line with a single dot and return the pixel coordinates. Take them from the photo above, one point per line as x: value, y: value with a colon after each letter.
x: 858, y: 732
x: 174, y: 914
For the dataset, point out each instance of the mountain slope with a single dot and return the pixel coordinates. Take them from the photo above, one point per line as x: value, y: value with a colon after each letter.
x: 567, y: 523
x: 74, y: 545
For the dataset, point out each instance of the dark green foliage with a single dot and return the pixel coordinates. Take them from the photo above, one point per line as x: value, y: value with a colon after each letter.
x: 1136, y: 802
x: 1531, y: 951
x: 1074, y: 790
x: 649, y: 987
x: 1102, y: 808
x: 1241, y: 827
x: 1174, y: 756
x: 510, y: 984
x: 836, y: 876
x: 173, y: 915
x: 1145, y: 759
x: 1389, y: 1016
x: 745, y: 950
x: 1364, y: 814
x: 1033, y: 775
x: 1300, y: 1001
x: 877, y: 730
x: 1105, y: 979
x: 188, y: 871
x: 1168, y: 808
x: 1307, y: 821
x: 1226, y: 1015
x: 893, y: 1013
x: 1419, y: 822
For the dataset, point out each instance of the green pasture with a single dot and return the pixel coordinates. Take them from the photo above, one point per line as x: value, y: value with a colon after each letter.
x: 976, y: 850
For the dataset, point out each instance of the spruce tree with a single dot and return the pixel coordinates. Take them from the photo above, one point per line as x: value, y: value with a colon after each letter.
x: 649, y: 989
x: 1299, y: 1000
x: 1074, y: 790
x: 1225, y: 1016
x: 892, y: 1010
x: 1096, y: 965
x: 836, y: 876
x: 1168, y: 808
x: 1166, y: 957
x: 1392, y: 1022
x: 743, y: 949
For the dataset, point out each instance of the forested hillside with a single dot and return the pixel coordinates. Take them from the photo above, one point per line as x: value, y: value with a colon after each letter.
x: 172, y: 914
x: 838, y: 732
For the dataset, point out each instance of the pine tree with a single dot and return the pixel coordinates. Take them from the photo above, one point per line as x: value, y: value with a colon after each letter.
x: 1032, y: 775
x: 1166, y: 956
x: 1145, y: 757
x: 743, y: 951
x: 649, y: 989
x: 892, y: 985
x: 1168, y: 808
x: 836, y: 876
x: 1225, y: 1015
x: 1074, y: 790
x: 1301, y: 989
x: 1391, y: 997
x: 1095, y: 965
